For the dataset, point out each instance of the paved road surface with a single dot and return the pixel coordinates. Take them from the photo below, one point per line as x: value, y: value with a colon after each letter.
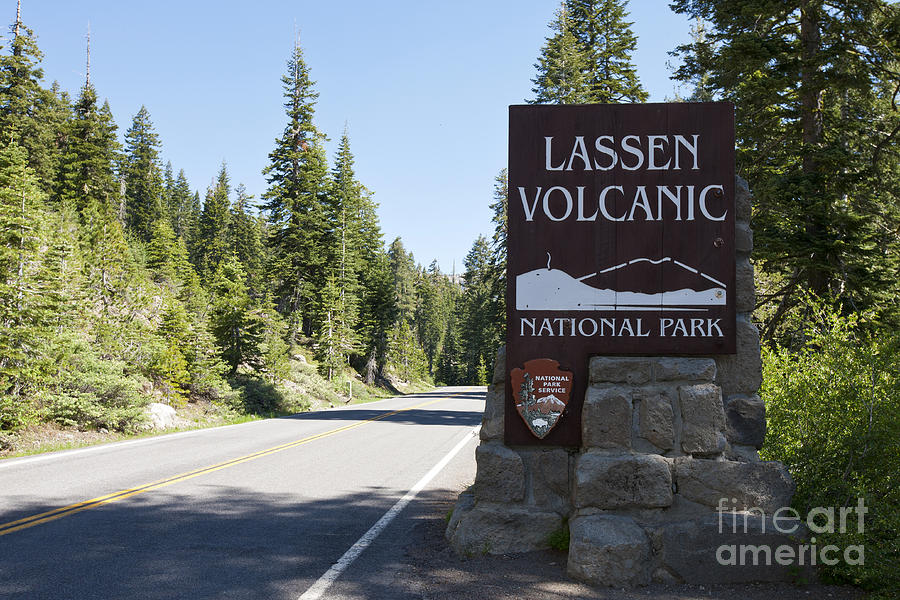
x: 259, y: 510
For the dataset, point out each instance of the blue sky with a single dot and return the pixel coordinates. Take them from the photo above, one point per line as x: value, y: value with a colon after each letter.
x: 423, y: 87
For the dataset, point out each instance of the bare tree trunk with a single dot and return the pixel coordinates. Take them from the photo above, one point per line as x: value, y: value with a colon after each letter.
x: 21, y: 268
x: 371, y: 368
x: 811, y: 124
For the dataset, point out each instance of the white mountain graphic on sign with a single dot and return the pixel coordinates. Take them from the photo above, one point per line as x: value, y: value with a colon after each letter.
x: 554, y: 289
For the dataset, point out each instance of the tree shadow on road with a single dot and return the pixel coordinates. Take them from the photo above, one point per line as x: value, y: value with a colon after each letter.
x: 237, y: 544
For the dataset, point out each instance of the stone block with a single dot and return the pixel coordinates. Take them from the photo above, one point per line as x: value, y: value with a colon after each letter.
x: 500, y: 366
x: 694, y: 551
x: 742, y: 485
x: 622, y: 481
x: 608, y: 550
x: 465, y: 502
x: 743, y: 200
x: 741, y: 373
x: 702, y: 419
x: 501, y: 474
x: 684, y: 369
x: 502, y: 529
x: 743, y: 238
x: 745, y: 286
x: 656, y: 420
x: 633, y: 371
x: 741, y: 453
x: 745, y: 418
x: 492, y: 419
x: 547, y: 478
x: 606, y: 418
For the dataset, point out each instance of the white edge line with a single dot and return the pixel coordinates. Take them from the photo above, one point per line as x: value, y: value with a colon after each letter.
x: 325, y: 581
x: 10, y: 462
x: 27, y: 460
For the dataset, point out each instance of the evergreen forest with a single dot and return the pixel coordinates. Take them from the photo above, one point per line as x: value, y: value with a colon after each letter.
x: 121, y: 284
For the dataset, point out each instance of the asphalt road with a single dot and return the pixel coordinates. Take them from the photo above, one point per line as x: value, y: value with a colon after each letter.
x: 259, y: 510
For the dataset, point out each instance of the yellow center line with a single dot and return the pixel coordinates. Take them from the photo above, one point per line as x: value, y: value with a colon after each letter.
x: 65, y: 511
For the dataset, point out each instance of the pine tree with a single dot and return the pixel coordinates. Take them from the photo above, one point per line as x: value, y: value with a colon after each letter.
x: 606, y: 39
x: 329, y: 353
x: 593, y: 37
x: 168, y: 188
x: 813, y: 84
x: 88, y: 167
x: 377, y: 314
x: 181, y: 209
x: 20, y: 319
x: 29, y: 114
x: 144, y: 192
x: 347, y: 242
x: 295, y: 201
x: 212, y: 244
x: 560, y: 68
x: 358, y: 252
x: 161, y: 253
x: 237, y: 329
x: 480, y: 332
x: 403, y: 273
x: 405, y: 356
x: 275, y: 359
x: 169, y: 363
x: 108, y: 263
x: 435, y: 306
x: 245, y: 238
x: 451, y: 366
x: 499, y: 208
x: 58, y: 286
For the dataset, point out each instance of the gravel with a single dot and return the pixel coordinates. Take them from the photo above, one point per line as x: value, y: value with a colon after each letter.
x: 433, y: 571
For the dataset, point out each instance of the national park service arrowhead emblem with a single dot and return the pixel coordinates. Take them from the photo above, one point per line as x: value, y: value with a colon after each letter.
x: 542, y: 392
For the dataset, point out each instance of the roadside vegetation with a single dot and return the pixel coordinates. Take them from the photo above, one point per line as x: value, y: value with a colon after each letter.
x: 833, y: 412
x: 122, y: 286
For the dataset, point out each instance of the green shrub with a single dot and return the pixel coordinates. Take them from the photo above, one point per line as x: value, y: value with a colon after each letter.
x: 88, y: 391
x: 833, y: 413
x: 15, y: 412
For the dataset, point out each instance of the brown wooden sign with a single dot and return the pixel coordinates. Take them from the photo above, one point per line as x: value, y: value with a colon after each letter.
x: 621, y: 240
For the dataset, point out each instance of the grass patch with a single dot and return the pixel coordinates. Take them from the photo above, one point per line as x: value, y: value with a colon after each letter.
x: 559, y: 539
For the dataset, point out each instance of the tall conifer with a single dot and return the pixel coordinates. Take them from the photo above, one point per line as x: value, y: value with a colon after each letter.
x: 184, y: 222
x: 560, y: 68
x: 144, y: 192
x: 88, y: 168
x: 245, y: 238
x: 815, y: 88
x: 30, y: 114
x: 297, y: 175
x: 589, y: 57
x: 212, y: 244
x: 607, y: 43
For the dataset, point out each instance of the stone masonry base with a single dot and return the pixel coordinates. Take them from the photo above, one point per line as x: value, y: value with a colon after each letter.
x: 667, y: 485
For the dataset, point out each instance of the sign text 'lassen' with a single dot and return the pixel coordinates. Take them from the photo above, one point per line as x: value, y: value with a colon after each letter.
x: 620, y: 241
